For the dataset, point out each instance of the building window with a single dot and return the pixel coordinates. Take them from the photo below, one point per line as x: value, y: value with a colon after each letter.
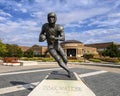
x: 36, y: 53
x: 71, y: 52
x: 101, y: 49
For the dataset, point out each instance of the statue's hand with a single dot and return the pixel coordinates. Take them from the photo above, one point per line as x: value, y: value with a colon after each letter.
x: 52, y: 37
x: 42, y: 38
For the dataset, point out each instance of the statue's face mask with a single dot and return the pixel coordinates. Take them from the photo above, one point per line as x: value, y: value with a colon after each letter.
x: 51, y: 20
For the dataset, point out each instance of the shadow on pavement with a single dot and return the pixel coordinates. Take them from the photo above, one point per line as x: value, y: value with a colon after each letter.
x: 26, y: 85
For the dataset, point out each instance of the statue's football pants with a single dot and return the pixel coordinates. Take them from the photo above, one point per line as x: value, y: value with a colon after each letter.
x: 59, y: 55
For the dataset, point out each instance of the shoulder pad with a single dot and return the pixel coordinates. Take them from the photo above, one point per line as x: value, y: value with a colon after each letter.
x: 45, y: 25
x: 60, y: 28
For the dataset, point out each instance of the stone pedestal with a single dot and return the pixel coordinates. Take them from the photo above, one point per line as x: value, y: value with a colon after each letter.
x: 58, y: 84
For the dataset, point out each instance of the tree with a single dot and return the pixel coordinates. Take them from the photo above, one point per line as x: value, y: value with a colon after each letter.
x: 3, y: 49
x: 19, y: 53
x: 112, y: 51
x: 29, y: 53
x: 13, y: 51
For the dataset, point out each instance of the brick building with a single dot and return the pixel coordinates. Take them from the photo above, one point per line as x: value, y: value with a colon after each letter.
x: 102, y: 46
x: 74, y: 48
x: 37, y: 50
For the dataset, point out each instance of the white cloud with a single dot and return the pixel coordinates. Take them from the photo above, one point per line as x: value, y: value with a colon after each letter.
x: 72, y: 25
x: 2, y: 13
x: 23, y: 10
x: 109, y: 23
x: 96, y: 35
x: 114, y: 15
x: 20, y: 25
x: 93, y: 40
x: 20, y: 32
x: 75, y: 14
x: 82, y: 2
x: 79, y: 15
x: 2, y: 18
x: 67, y: 11
x: 108, y: 20
x: 20, y: 7
x: 117, y: 4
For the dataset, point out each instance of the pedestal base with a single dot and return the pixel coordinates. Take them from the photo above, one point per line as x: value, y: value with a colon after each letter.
x: 58, y: 84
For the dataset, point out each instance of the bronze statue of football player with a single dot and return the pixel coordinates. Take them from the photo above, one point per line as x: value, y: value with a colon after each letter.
x: 54, y: 33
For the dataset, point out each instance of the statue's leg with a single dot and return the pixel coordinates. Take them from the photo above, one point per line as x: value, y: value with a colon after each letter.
x: 62, y: 54
x: 55, y: 55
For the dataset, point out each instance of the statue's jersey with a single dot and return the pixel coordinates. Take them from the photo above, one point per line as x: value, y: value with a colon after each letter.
x: 52, y: 31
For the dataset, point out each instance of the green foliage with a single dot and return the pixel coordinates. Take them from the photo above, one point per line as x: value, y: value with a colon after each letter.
x: 112, y: 51
x: 47, y: 59
x: 1, y: 58
x: 19, y: 53
x: 88, y: 56
x: 32, y: 58
x: 95, y: 60
x: 29, y: 53
x: 75, y: 60
x: 13, y: 51
x: 109, y: 59
x: 3, y: 49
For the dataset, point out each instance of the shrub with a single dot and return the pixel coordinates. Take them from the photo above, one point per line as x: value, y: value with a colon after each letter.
x: 29, y: 53
x: 75, y: 60
x: 95, y: 60
x: 27, y: 59
x: 88, y: 56
x: 0, y: 58
x: 47, y: 59
x: 112, y: 51
x: 108, y: 59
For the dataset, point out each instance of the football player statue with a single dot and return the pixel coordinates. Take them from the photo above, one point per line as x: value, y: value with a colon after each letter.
x: 54, y: 33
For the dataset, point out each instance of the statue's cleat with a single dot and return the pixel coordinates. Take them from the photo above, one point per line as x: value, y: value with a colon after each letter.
x: 70, y: 74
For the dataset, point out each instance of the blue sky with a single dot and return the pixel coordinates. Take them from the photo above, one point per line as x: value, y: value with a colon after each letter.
x: 89, y: 21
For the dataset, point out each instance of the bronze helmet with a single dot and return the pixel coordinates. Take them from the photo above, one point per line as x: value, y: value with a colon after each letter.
x: 51, y: 14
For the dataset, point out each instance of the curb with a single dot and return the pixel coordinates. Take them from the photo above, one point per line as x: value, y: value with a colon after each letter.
x: 102, y: 65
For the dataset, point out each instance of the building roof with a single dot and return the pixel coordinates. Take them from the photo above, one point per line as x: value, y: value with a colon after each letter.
x: 70, y: 41
x: 101, y: 45
x: 24, y: 48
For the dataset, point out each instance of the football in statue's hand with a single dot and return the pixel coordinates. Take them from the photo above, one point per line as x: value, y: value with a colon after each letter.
x: 43, y: 37
x: 52, y: 37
